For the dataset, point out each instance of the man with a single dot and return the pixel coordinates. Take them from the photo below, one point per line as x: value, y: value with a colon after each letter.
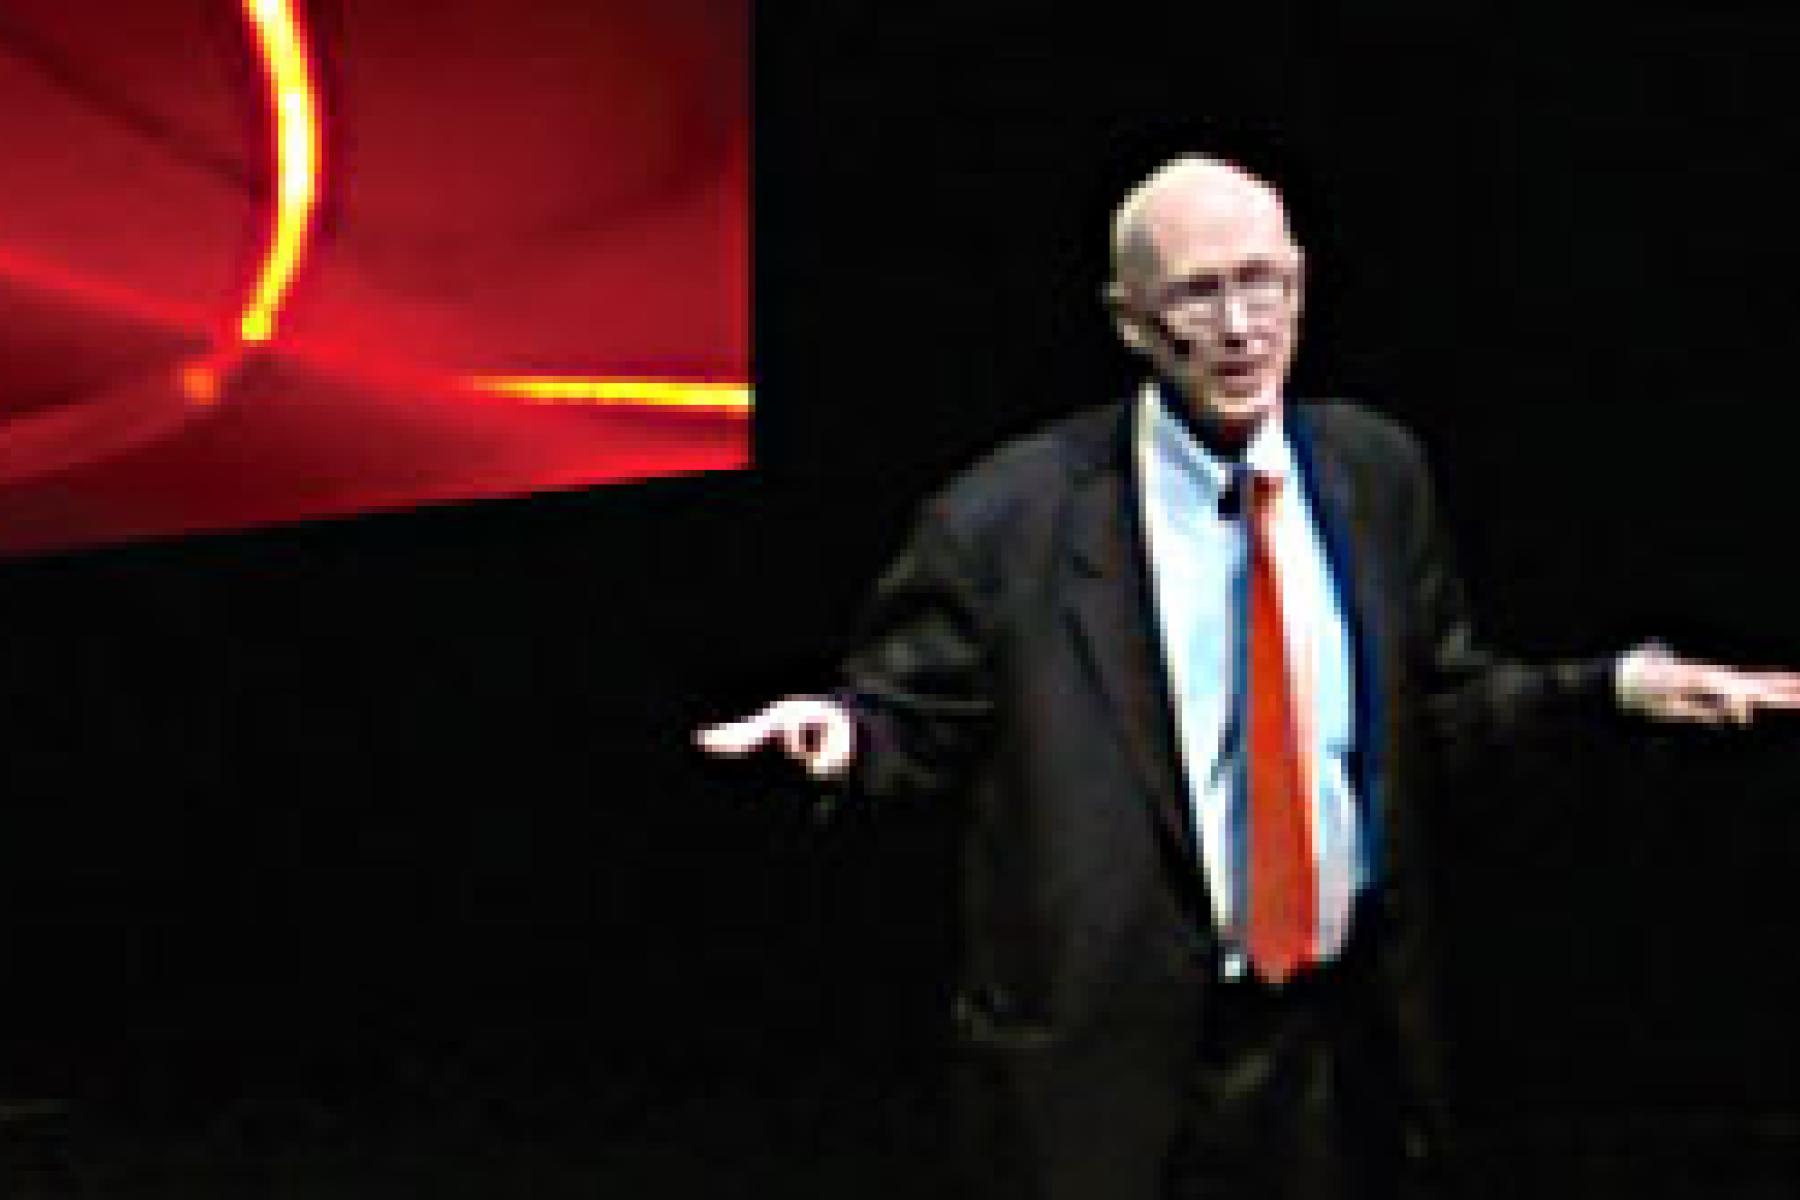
x: 1194, y: 663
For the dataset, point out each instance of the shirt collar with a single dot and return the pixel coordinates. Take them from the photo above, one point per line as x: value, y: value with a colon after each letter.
x: 1175, y: 445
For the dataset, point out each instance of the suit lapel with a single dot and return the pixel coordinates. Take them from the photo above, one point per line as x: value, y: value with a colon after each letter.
x: 1110, y: 606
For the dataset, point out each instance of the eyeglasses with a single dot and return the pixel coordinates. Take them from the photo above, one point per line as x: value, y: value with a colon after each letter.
x: 1261, y: 289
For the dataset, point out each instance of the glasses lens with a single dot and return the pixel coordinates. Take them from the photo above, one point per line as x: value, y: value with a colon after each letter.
x: 1260, y: 291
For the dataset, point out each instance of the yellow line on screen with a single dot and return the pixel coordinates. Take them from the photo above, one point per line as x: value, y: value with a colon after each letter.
x: 638, y: 393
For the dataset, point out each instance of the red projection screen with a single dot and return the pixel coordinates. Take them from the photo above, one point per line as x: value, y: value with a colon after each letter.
x: 270, y: 260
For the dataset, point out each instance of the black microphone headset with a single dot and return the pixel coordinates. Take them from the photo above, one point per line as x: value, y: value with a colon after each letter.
x: 1180, y: 346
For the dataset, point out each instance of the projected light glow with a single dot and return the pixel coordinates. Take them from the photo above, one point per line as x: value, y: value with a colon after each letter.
x: 198, y: 350
x: 295, y: 105
x: 296, y: 109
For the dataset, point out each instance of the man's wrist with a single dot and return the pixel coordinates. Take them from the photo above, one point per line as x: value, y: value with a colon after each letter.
x: 1632, y: 673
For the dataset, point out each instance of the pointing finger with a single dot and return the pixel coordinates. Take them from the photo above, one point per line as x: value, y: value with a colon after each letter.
x: 736, y: 737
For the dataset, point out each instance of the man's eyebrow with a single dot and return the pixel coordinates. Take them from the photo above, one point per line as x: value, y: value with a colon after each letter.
x: 1213, y: 276
x: 1261, y: 259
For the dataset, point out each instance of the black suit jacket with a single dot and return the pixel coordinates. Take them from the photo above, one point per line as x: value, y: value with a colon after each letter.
x: 1011, y: 658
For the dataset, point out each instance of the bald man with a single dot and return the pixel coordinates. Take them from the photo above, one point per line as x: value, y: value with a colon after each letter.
x: 1194, y: 662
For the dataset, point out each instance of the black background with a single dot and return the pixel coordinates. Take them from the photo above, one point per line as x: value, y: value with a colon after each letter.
x: 376, y: 845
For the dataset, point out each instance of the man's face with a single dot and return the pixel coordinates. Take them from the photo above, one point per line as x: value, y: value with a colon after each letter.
x: 1216, y: 304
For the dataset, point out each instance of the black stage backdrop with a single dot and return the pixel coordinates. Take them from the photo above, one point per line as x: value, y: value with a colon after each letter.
x: 375, y: 847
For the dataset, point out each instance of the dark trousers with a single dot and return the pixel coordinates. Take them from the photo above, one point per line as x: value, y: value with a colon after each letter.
x: 1293, y: 1096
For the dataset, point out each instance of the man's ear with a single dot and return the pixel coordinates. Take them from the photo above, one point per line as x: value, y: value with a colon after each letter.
x: 1126, y: 321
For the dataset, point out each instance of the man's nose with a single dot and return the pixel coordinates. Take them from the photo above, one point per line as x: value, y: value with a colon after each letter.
x: 1234, y: 316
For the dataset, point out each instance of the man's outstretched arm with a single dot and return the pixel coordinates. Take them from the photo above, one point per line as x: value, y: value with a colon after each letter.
x: 1479, y: 697
x: 916, y: 699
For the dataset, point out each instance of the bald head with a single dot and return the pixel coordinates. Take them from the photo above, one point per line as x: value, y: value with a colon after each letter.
x: 1206, y: 286
x: 1194, y: 199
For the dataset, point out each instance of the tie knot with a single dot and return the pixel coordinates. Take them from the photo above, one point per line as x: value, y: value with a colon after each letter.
x: 1259, y: 487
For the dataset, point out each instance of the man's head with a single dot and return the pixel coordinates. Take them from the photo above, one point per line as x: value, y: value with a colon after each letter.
x: 1206, y: 285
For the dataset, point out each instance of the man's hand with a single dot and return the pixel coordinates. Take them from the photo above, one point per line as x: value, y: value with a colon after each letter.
x: 1655, y: 682
x: 818, y: 734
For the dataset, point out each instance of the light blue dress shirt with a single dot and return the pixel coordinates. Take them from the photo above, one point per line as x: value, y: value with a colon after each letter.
x: 1197, y: 558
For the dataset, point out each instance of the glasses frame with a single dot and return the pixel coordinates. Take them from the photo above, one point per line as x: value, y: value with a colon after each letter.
x: 1261, y: 288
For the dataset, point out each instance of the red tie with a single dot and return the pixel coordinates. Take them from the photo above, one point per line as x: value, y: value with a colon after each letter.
x: 1283, y: 894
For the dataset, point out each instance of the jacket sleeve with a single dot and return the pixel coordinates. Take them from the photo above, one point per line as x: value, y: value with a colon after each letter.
x: 920, y: 677
x: 1476, y: 701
